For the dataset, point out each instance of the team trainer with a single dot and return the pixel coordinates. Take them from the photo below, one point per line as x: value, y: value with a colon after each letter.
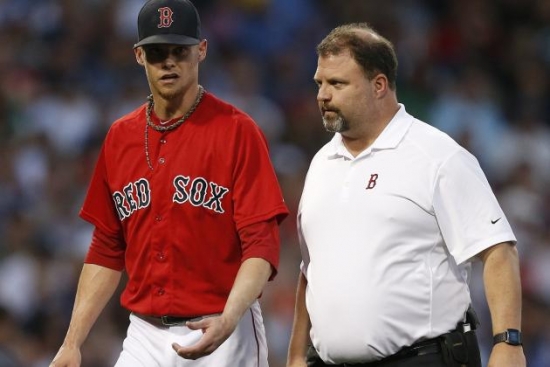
x: 392, y: 214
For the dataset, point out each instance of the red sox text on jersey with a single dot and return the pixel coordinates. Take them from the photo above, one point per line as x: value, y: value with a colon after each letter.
x: 198, y: 192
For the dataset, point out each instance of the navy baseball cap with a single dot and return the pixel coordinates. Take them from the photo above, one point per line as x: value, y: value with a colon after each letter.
x: 174, y: 22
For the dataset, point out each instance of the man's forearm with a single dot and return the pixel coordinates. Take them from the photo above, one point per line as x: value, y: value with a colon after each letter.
x: 96, y: 286
x: 300, y: 329
x: 503, y: 286
x: 249, y: 283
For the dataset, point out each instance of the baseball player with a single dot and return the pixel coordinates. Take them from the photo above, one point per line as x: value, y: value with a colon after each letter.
x: 392, y: 214
x: 184, y: 199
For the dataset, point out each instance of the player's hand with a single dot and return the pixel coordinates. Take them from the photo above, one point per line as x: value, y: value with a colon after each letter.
x: 67, y: 357
x: 216, y: 329
x: 504, y: 355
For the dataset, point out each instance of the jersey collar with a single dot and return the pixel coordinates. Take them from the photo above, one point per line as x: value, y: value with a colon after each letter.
x: 390, y: 137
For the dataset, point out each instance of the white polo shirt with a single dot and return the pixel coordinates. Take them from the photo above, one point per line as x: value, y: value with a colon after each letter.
x: 386, y: 238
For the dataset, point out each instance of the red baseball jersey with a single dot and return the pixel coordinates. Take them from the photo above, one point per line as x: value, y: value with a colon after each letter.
x: 176, y: 226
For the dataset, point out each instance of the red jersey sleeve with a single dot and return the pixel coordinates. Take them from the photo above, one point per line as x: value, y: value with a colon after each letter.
x: 105, y: 250
x: 257, y: 194
x: 261, y: 240
x: 108, y: 245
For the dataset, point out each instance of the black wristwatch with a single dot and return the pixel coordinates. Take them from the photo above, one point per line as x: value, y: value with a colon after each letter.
x: 510, y: 336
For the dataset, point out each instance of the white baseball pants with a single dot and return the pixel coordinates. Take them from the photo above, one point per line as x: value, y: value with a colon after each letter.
x: 147, y: 345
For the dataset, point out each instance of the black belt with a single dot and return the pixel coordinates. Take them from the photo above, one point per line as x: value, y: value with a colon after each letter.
x: 166, y: 321
x: 431, y: 346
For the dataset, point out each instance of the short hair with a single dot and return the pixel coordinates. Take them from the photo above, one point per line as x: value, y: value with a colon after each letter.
x: 374, y: 53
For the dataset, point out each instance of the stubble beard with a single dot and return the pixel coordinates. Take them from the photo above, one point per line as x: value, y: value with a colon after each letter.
x: 336, y: 125
x: 170, y: 94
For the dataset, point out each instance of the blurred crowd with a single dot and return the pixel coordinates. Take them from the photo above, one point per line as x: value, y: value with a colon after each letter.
x: 477, y: 69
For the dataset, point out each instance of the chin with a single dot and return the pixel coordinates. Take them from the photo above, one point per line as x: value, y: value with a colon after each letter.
x: 170, y: 94
x: 335, y: 126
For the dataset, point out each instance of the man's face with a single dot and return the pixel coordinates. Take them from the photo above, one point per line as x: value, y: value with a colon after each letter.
x: 344, y: 94
x: 171, y: 69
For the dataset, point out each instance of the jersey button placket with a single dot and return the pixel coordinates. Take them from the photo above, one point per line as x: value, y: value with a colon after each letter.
x: 158, y: 252
x: 161, y: 257
x: 161, y: 160
x: 346, y: 182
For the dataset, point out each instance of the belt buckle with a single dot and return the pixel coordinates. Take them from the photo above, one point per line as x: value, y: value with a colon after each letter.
x: 165, y: 320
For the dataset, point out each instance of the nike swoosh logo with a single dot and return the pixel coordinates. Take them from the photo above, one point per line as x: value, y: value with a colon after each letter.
x: 496, y: 220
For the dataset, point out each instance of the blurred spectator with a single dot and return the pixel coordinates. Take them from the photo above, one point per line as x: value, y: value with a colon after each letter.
x: 526, y: 141
x: 9, y: 337
x: 478, y: 70
x: 468, y: 110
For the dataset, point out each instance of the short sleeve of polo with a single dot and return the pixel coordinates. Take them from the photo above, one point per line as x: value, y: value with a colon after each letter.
x: 467, y: 211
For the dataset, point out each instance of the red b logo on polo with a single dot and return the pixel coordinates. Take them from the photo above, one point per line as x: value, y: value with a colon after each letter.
x: 372, y: 181
x: 165, y: 20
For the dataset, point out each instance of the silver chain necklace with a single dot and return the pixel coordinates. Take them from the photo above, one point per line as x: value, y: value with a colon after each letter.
x: 172, y: 126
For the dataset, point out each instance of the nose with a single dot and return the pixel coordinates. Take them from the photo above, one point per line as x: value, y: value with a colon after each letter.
x: 169, y: 61
x: 323, y: 94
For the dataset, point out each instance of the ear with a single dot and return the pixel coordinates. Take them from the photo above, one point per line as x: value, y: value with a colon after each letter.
x: 203, y: 48
x: 140, y: 55
x: 381, y: 85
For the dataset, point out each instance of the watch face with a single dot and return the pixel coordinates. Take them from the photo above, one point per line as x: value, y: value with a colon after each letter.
x: 514, y: 337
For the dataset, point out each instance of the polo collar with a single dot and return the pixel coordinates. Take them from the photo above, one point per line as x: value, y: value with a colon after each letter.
x: 390, y: 137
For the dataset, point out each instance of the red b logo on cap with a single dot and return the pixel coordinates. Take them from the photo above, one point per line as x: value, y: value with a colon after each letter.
x: 165, y: 20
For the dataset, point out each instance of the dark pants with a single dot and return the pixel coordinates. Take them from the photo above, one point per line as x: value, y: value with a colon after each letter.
x: 428, y: 360
x: 454, y: 349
